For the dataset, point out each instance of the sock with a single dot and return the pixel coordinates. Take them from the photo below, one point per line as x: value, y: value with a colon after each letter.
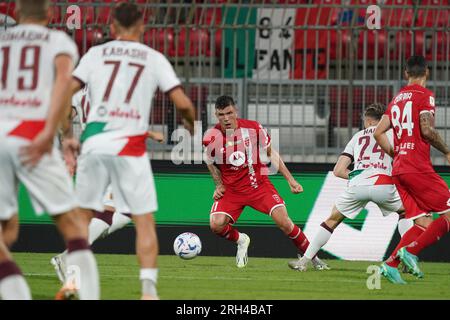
x: 149, y: 278
x: 119, y: 220
x: 82, y: 269
x: 97, y: 228
x: 229, y: 233
x: 432, y: 234
x: 241, y: 238
x: 404, y: 225
x: 411, y: 235
x: 299, y: 239
x: 12, y: 283
x: 321, y: 238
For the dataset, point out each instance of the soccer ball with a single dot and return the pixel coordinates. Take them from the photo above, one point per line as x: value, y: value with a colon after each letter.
x: 187, y: 245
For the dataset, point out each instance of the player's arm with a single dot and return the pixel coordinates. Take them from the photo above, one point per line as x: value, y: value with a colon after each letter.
x: 279, y: 164
x: 217, y: 177
x: 381, y: 137
x: 431, y: 135
x: 184, y: 106
x: 340, y: 169
x: 43, y: 142
x: 155, y: 135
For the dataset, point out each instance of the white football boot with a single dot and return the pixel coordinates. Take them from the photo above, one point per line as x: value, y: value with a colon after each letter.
x: 59, y: 264
x: 241, y: 255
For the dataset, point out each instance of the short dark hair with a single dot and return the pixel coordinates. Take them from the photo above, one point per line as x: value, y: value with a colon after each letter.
x: 36, y: 9
x: 375, y: 111
x: 416, y: 66
x: 224, y: 101
x: 127, y: 14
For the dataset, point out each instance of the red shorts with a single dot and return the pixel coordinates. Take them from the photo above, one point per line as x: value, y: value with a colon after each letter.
x: 264, y: 199
x: 422, y: 193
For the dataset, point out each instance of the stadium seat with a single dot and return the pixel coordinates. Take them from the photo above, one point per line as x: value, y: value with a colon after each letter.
x: 56, y: 13
x: 338, y: 39
x: 397, y: 13
x: 198, y: 42
x: 161, y: 40
x: 373, y: 38
x: 430, y: 14
x: 8, y: 9
x: 86, y: 38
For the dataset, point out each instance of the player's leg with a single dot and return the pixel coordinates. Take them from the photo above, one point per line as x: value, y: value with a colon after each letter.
x: 73, y: 223
x: 10, y: 229
x: 224, y: 213
x: 281, y: 218
x: 147, y: 253
x: 134, y: 189
x: 12, y: 284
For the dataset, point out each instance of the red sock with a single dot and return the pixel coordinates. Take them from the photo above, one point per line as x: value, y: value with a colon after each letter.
x: 412, y: 234
x: 434, y: 232
x: 229, y: 233
x: 299, y: 239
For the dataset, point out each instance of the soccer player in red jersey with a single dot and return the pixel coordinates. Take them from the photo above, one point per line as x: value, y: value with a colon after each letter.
x: 422, y: 190
x: 232, y: 152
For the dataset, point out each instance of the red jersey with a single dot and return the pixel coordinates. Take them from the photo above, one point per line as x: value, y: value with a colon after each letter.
x: 237, y: 155
x: 412, y: 152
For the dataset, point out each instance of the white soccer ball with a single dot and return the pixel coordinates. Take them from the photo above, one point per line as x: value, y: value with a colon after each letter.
x: 187, y: 245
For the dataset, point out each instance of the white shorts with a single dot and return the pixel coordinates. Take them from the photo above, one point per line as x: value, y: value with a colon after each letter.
x: 108, y: 199
x: 131, y: 180
x: 49, y: 185
x: 354, y: 199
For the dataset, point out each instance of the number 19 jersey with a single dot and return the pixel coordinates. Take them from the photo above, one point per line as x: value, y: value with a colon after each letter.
x: 412, y: 152
x: 122, y: 77
x: 372, y: 166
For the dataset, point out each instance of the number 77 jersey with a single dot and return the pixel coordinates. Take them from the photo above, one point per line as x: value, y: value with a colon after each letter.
x: 412, y: 152
x: 122, y: 77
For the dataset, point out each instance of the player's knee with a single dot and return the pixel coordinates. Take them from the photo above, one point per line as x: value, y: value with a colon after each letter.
x: 217, y: 223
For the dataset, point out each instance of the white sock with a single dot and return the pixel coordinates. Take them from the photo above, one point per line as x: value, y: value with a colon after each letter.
x: 14, y: 287
x: 404, y: 225
x: 82, y: 268
x: 96, y: 228
x: 118, y: 222
x: 149, y: 278
x: 321, y: 238
x: 241, y: 238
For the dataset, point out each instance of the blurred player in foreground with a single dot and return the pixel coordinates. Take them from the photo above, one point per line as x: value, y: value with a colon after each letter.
x: 37, y: 64
x: 232, y: 153
x: 122, y: 77
x: 109, y: 220
x: 411, y: 115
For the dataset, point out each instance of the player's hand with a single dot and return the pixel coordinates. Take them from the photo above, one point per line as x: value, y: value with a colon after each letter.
x: 71, y: 150
x: 157, y: 136
x: 219, y: 192
x: 31, y: 154
x: 295, y: 187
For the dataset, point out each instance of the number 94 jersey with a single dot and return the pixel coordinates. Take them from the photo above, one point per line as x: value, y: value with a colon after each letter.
x: 412, y: 152
x: 372, y: 166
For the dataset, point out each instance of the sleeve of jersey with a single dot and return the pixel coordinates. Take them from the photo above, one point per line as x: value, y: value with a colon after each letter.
x: 427, y: 104
x: 64, y: 45
x: 167, y: 79
x: 263, y: 137
x: 81, y: 72
x: 349, y: 150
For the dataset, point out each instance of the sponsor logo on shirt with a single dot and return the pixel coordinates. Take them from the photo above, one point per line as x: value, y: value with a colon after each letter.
x: 237, y: 158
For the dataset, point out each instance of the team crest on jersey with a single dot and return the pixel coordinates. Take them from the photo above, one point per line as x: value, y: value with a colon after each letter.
x: 237, y: 158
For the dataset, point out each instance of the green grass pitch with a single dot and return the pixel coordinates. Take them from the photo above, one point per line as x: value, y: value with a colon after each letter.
x: 218, y: 278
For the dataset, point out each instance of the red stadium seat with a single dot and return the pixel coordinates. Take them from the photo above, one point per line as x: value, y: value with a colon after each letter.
x: 338, y: 39
x: 397, y: 16
x: 374, y: 39
x: 430, y: 14
x: 7, y: 8
x: 161, y: 40
x: 56, y: 13
x: 198, y: 42
x: 86, y: 38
